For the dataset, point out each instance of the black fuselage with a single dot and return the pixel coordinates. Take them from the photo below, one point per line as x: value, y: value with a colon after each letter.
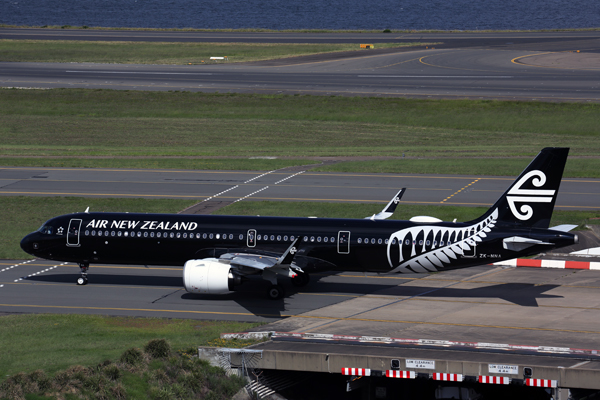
x: 348, y: 244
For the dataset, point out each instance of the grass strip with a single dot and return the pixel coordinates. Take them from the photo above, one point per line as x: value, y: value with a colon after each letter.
x: 111, y: 357
x: 187, y: 163
x: 567, y: 120
x: 103, y: 123
x: 54, y: 342
x: 144, y: 129
x: 63, y: 51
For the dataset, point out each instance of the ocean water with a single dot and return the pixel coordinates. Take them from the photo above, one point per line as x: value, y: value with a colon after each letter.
x: 306, y: 14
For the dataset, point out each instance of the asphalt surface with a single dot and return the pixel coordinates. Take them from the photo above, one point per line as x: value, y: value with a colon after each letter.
x: 521, y: 66
x: 524, y: 306
x: 281, y: 185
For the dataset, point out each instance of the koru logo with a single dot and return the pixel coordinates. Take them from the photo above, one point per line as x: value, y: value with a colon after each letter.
x: 293, y: 251
x: 396, y: 200
x: 518, y: 195
x: 59, y: 231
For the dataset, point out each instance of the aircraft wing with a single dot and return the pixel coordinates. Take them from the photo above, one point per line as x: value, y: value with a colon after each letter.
x: 282, y: 265
x: 389, y: 208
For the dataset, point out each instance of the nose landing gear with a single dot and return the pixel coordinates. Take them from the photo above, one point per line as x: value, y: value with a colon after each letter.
x: 83, y: 267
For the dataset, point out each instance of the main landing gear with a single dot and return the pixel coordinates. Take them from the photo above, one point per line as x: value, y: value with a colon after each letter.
x: 276, y: 291
x: 83, y: 280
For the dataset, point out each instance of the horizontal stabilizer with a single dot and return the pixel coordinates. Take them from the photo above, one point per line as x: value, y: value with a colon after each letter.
x: 389, y: 209
x: 518, y: 243
x: 563, y: 228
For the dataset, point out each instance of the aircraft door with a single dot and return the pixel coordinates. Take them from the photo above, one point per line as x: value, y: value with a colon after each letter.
x: 344, y: 242
x: 73, y: 232
x: 251, y: 241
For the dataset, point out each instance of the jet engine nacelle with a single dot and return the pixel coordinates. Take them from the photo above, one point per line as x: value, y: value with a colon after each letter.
x: 209, y: 276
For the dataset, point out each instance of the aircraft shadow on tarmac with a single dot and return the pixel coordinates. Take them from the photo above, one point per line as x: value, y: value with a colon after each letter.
x: 252, y: 295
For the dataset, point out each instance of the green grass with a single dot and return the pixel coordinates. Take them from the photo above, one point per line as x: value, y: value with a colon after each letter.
x: 164, y: 53
x: 54, y: 342
x: 82, y: 356
x: 141, y: 129
x: 238, y: 164
x: 22, y: 215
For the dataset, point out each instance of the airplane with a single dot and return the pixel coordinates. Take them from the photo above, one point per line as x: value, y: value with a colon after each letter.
x: 218, y: 253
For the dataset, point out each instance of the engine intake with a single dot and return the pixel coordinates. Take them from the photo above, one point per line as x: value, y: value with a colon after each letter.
x: 209, y: 276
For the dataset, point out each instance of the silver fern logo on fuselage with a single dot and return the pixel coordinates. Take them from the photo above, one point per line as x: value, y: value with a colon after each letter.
x: 518, y: 195
x: 428, y: 248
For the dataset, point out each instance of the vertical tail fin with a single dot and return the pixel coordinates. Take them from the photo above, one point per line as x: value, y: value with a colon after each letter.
x: 529, y: 201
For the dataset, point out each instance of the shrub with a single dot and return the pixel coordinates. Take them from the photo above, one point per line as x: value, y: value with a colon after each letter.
x: 159, y: 376
x: 39, y: 378
x: 132, y: 356
x: 118, y: 391
x: 61, y: 379
x: 112, y: 372
x: 11, y: 390
x: 96, y: 383
x: 158, y: 348
x: 164, y: 393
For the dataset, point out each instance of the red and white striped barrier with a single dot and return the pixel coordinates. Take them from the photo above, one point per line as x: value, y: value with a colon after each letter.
x: 356, y: 371
x: 447, y: 377
x: 525, y: 262
x: 498, y: 380
x: 547, y: 383
x: 391, y: 373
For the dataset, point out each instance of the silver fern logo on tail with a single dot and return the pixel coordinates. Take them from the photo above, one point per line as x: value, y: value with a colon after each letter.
x: 427, y: 248
x: 518, y: 195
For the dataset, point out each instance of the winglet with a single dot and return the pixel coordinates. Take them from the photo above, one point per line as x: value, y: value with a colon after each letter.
x: 288, y: 256
x: 389, y: 208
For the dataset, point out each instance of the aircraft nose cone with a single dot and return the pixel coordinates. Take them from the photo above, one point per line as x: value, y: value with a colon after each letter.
x: 29, y: 244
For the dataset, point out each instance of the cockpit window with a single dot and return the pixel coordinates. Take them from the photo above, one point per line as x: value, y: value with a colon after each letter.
x: 46, y: 230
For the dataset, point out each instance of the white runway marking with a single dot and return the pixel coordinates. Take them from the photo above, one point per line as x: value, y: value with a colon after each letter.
x: 260, y: 176
x: 251, y: 194
x: 16, y: 265
x: 291, y: 176
x: 40, y: 272
x: 218, y: 194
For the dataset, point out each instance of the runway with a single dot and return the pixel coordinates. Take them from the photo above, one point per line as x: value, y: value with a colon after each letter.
x: 531, y: 306
x: 506, y: 66
x: 279, y: 185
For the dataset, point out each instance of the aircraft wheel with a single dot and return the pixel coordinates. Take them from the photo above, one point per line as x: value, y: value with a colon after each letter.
x: 82, y: 281
x: 275, y: 292
x: 301, y: 279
